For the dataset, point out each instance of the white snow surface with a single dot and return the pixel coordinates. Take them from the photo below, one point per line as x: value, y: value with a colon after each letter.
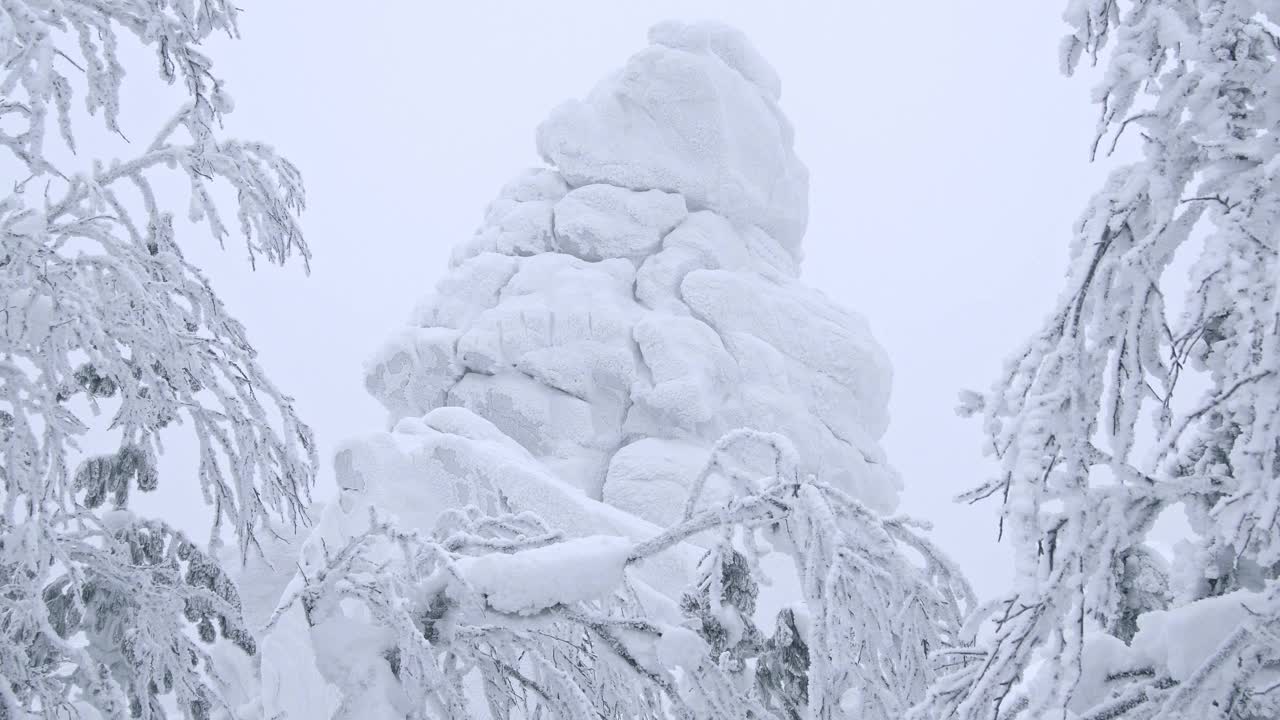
x: 681, y: 647
x: 448, y: 458
x: 452, y: 457
x: 529, y: 581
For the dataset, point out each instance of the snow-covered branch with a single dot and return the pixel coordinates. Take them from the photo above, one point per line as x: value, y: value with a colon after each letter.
x: 100, y: 313
x: 1092, y: 421
x: 537, y: 620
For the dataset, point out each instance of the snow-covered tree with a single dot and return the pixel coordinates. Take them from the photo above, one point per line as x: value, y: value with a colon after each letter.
x: 1130, y: 404
x: 633, y: 465
x: 101, y: 612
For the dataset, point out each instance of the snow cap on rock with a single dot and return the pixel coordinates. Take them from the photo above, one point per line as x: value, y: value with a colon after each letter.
x: 694, y: 113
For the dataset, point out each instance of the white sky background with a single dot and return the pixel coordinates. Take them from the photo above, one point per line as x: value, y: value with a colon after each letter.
x: 948, y: 160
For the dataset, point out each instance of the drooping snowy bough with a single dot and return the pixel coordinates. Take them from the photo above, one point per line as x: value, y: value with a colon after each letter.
x: 106, y: 331
x: 633, y: 466
x: 1126, y: 406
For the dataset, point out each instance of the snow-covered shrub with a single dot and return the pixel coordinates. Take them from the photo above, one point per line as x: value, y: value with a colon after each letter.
x: 1128, y: 405
x: 100, y: 312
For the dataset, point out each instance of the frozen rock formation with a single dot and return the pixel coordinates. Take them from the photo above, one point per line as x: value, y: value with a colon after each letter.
x: 695, y: 113
x: 614, y: 315
x: 618, y: 312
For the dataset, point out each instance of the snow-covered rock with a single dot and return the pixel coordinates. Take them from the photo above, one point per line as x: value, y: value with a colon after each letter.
x: 519, y: 221
x: 293, y: 685
x: 415, y: 370
x: 452, y: 457
x: 650, y: 478
x: 611, y: 319
x: 1174, y: 644
x: 681, y: 647
x: 529, y: 581
x: 689, y: 371
x: 1180, y: 640
x: 695, y: 113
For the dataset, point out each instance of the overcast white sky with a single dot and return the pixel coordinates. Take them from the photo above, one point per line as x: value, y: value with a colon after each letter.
x: 948, y: 161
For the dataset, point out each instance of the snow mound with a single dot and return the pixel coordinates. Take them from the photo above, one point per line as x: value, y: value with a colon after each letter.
x: 1180, y: 640
x: 449, y: 458
x: 453, y: 458
x: 292, y: 682
x: 575, y: 360
x: 727, y: 43
x: 681, y: 647
x: 650, y: 479
x: 1174, y: 644
x: 530, y: 581
x: 696, y: 114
